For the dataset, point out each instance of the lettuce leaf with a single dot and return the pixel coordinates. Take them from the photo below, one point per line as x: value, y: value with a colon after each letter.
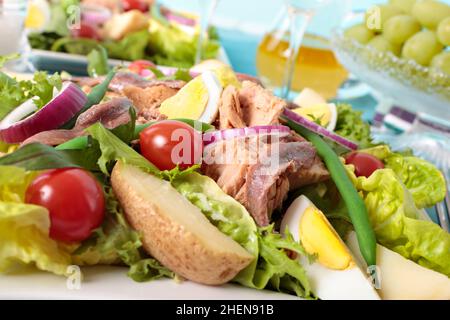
x: 114, y: 149
x: 350, y: 125
x: 131, y: 47
x: 396, y: 221
x: 169, y: 45
x: 13, y: 93
x: 24, y: 228
x: 24, y: 240
x: 97, y: 62
x: 13, y: 183
x: 272, y: 268
x: 423, y: 180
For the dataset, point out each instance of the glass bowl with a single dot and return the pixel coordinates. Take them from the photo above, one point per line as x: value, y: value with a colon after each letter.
x: 401, y: 81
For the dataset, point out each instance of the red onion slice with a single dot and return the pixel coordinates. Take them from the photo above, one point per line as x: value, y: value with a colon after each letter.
x: 178, y: 18
x: 215, y: 136
x: 170, y: 71
x: 54, y: 114
x: 95, y: 15
x: 314, y: 127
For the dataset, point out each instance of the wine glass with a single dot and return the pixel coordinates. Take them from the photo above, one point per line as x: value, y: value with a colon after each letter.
x: 207, y: 8
x: 12, y: 20
x: 300, y: 13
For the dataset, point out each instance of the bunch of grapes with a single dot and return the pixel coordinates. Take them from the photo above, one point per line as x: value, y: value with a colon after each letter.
x: 411, y: 29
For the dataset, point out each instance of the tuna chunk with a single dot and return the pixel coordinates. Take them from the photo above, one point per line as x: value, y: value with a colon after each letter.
x: 259, y: 106
x: 148, y: 100
x: 257, y: 173
x: 230, y: 109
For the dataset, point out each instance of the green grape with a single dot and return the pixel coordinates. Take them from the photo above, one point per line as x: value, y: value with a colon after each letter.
x: 404, y: 5
x: 442, y: 62
x: 430, y: 13
x: 360, y: 33
x: 400, y: 28
x: 378, y: 15
x: 443, y: 32
x: 381, y: 44
x: 422, y: 47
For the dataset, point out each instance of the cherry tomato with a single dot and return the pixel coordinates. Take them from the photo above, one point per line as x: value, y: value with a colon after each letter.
x: 168, y: 143
x: 140, y: 65
x: 365, y: 164
x: 74, y: 199
x: 85, y: 30
x: 140, y: 5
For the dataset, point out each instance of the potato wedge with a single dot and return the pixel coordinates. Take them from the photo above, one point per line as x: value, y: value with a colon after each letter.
x: 174, y: 231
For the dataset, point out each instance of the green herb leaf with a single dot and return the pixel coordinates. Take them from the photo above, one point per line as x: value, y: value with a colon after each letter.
x: 114, y: 149
x: 98, y: 62
x: 37, y: 156
x: 158, y: 73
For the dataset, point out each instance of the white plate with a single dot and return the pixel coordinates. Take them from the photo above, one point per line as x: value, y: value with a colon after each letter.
x: 113, y: 283
x: 77, y: 64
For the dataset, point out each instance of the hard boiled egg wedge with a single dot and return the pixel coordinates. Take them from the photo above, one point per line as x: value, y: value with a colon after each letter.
x: 335, y: 274
x: 197, y: 100
x: 38, y: 16
x: 324, y: 114
x: 223, y: 72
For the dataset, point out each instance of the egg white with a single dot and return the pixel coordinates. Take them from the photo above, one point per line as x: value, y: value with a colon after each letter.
x: 326, y: 283
x: 214, y: 88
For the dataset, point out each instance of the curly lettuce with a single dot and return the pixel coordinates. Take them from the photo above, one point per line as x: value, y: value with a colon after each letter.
x: 350, y: 125
x: 13, y: 92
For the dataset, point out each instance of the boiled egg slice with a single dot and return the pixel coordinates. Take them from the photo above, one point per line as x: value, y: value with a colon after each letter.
x: 335, y: 274
x: 38, y: 16
x: 223, y: 72
x: 324, y: 114
x: 197, y: 100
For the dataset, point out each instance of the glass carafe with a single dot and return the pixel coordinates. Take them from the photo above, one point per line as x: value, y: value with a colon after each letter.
x: 314, y: 65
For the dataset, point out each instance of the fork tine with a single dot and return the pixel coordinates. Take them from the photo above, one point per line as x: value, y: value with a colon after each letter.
x: 447, y: 202
x: 443, y: 219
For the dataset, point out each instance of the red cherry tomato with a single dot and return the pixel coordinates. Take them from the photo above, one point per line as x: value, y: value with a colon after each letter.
x: 139, y: 65
x: 168, y: 143
x: 85, y: 30
x: 135, y: 5
x: 74, y: 199
x: 365, y: 164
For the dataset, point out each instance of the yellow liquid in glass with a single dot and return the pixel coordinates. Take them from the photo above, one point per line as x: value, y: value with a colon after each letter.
x: 316, y: 67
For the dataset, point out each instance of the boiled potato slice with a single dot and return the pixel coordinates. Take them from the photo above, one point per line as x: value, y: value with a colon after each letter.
x: 174, y: 231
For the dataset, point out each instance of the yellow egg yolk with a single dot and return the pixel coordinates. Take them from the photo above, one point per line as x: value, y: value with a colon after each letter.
x: 35, y: 17
x: 319, y: 113
x: 190, y: 102
x: 319, y: 238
